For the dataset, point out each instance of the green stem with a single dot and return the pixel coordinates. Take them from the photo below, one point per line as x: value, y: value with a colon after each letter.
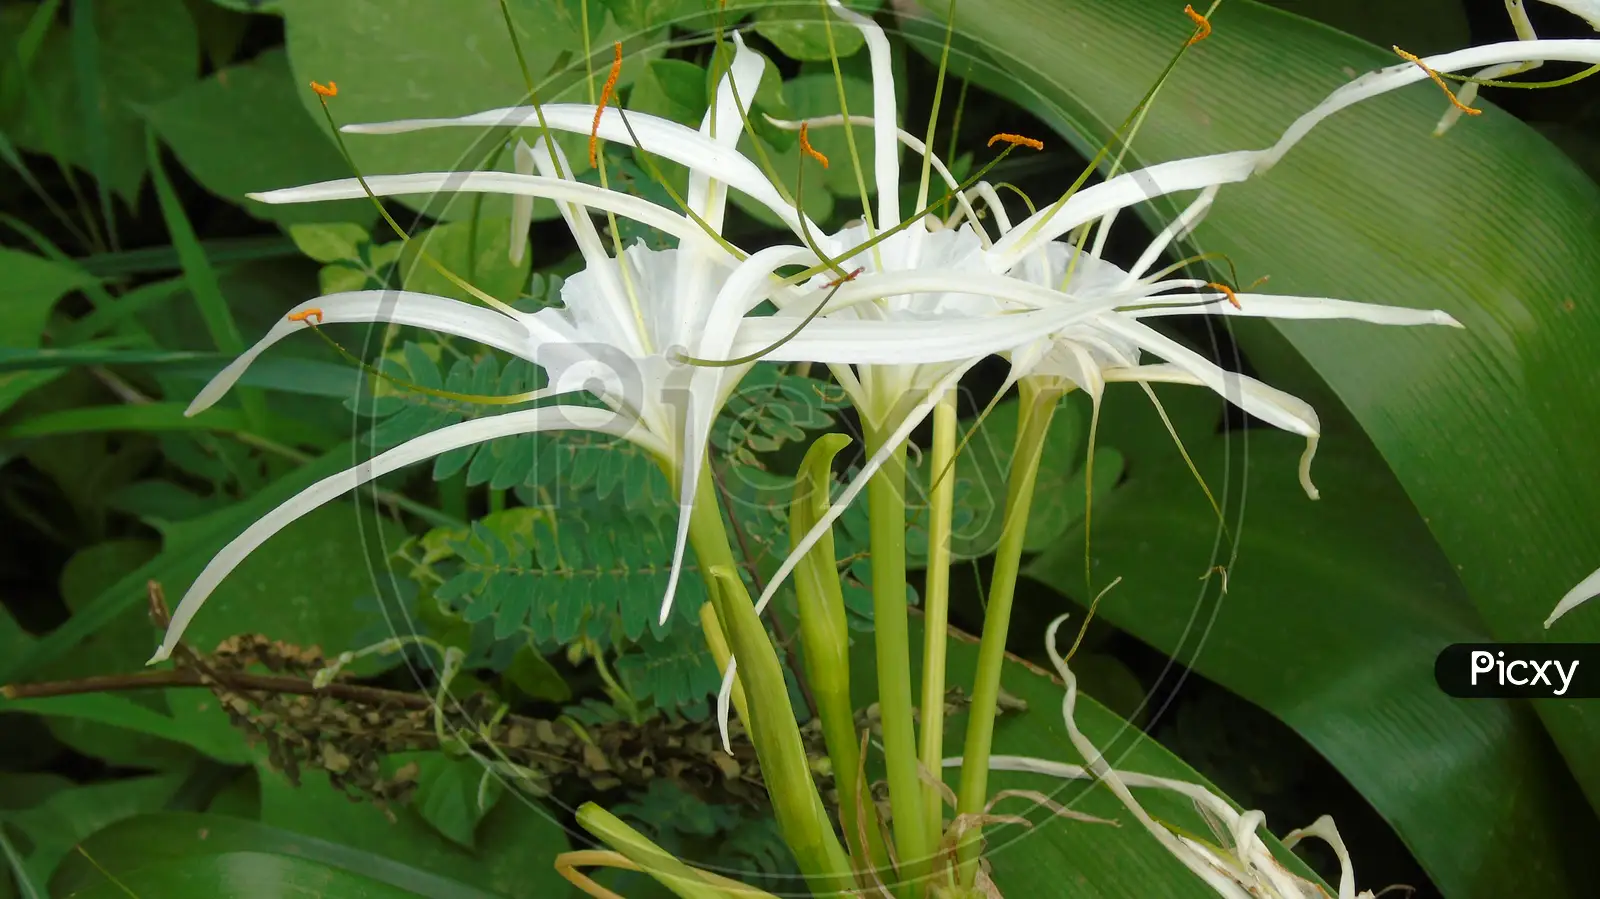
x: 1038, y: 407
x: 936, y: 609
x: 768, y: 716
x: 666, y: 868
x: 825, y: 640
x: 886, y: 507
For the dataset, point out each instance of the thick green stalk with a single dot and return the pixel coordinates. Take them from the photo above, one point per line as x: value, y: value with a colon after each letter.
x: 785, y: 765
x: 886, y: 507
x: 1038, y: 406
x: 825, y: 641
x: 936, y: 608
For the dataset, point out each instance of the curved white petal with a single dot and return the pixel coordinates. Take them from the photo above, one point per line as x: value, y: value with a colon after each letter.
x: 1264, y: 402
x: 521, y: 204
x: 662, y: 137
x: 1119, y: 192
x: 1174, y: 230
x: 1259, y: 305
x: 517, y: 186
x: 706, y: 388
x: 422, y: 310
x: 1585, y: 591
x: 609, y: 297
x: 885, y: 149
x: 427, y: 446
x: 900, y: 342
x: 1384, y: 80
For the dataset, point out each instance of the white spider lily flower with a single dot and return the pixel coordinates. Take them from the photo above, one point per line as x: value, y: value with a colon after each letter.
x: 622, y: 323
x: 1239, y: 865
x: 1588, y: 10
x: 1586, y: 590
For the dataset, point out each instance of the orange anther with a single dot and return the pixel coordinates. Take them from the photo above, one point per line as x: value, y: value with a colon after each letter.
x: 1200, y: 22
x: 306, y: 316
x: 806, y: 148
x: 1016, y: 140
x: 1411, y: 58
x: 330, y: 89
x: 1228, y: 292
x: 849, y: 277
x: 605, y: 97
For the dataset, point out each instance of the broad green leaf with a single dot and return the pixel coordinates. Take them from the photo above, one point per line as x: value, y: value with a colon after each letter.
x: 1421, y: 26
x: 148, y: 417
x: 243, y: 130
x: 1332, y: 621
x: 388, y: 59
x: 330, y: 241
x: 145, y: 50
x: 29, y: 288
x: 1489, y: 430
x: 245, y: 875
x: 514, y: 857
x: 448, y: 794
x: 166, y: 839
x: 800, y: 32
x: 672, y: 89
x: 112, y: 713
x: 63, y: 819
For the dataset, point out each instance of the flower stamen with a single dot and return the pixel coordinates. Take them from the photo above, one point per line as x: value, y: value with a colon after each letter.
x: 1227, y: 291
x: 1016, y: 140
x: 1413, y: 59
x: 1202, y: 26
x: 849, y: 277
x: 605, y: 97
x: 307, y: 317
x: 331, y: 89
x: 806, y: 148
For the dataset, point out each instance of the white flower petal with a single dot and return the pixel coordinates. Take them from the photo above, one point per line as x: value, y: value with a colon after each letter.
x: 1174, y: 230
x: 660, y: 137
x: 521, y: 204
x: 427, y: 446
x: 1116, y: 193
x: 423, y: 310
x: 885, y: 149
x: 1384, y: 80
x: 707, y: 386
x: 1324, y: 830
x: 517, y: 186
x: 1585, y: 591
x: 1261, y: 400
x: 1259, y: 305
x: 900, y: 342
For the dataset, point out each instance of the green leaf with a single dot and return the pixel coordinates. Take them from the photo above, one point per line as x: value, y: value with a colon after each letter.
x: 246, y: 875
x: 63, y: 819
x: 1332, y: 623
x: 1421, y: 26
x: 144, y: 50
x: 243, y: 130
x: 171, y: 838
x: 29, y: 289
x: 447, y: 794
x: 514, y: 857
x: 802, y: 31
x: 395, y: 71
x: 478, y: 252
x: 1486, y: 428
x: 672, y: 89
x: 120, y: 713
x: 149, y: 417
x: 330, y: 242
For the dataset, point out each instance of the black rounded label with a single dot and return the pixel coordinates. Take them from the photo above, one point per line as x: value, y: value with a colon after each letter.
x: 1519, y: 670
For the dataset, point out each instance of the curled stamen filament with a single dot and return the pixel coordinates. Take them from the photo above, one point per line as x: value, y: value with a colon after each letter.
x: 806, y: 148
x: 1201, y: 23
x: 1017, y: 140
x: 605, y: 97
x: 331, y: 89
x: 1412, y: 58
x: 307, y: 316
x: 1227, y: 291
